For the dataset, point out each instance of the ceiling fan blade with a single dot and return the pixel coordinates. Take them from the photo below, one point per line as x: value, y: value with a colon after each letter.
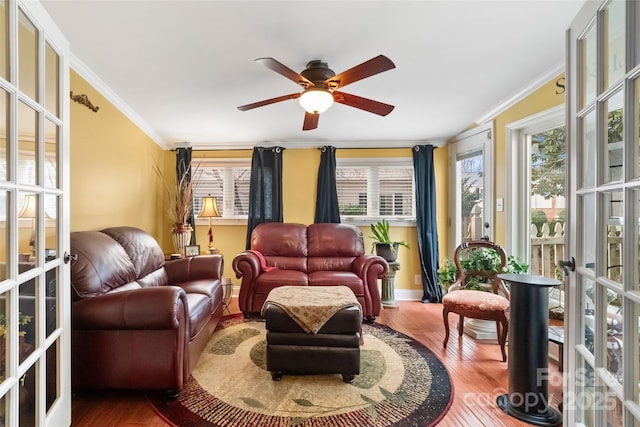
x: 268, y: 101
x: 282, y: 69
x: 365, y: 104
x: 310, y: 121
x: 367, y: 69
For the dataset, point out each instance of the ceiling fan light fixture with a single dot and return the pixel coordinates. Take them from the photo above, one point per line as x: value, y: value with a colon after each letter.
x: 316, y: 100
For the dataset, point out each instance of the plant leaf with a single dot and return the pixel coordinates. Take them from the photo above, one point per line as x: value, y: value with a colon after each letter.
x: 303, y: 402
x: 252, y: 403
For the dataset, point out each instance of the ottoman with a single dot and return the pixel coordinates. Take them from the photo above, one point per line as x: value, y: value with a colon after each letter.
x: 334, y: 348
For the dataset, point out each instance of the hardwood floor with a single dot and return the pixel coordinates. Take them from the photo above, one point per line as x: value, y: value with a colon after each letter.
x: 476, y: 369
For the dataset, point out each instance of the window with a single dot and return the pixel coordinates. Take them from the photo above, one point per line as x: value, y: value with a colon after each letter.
x: 227, y: 180
x: 375, y: 188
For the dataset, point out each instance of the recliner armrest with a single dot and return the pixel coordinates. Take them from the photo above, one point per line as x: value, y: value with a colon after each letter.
x: 246, y: 264
x: 145, y: 308
x: 362, y: 265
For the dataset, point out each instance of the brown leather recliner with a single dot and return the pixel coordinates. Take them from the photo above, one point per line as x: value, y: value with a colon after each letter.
x: 315, y: 255
x: 138, y: 322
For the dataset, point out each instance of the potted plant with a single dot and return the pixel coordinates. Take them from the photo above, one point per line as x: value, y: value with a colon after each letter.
x: 382, y: 243
x: 480, y: 259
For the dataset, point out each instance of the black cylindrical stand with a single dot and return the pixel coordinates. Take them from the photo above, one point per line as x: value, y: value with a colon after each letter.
x: 527, y: 399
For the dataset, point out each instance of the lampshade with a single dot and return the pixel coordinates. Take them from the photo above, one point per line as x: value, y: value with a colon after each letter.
x: 29, y: 207
x: 316, y: 100
x: 209, y: 208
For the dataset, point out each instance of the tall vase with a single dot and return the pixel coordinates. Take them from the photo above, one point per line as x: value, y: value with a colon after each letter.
x: 181, y: 237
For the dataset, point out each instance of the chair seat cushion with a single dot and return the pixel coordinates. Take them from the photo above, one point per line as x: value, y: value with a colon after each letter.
x: 469, y: 300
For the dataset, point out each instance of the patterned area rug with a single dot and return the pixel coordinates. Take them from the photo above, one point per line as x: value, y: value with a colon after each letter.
x: 401, y: 383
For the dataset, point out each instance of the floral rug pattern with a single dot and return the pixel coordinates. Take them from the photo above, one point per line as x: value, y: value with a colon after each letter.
x: 401, y: 383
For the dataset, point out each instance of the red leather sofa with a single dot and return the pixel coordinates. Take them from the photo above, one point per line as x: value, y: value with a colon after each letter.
x: 138, y: 322
x: 315, y: 255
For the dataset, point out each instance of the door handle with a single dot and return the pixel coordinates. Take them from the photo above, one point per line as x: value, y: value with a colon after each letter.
x: 567, y: 266
x: 68, y: 257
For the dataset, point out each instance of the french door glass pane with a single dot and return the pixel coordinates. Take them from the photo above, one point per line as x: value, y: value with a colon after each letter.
x: 637, y: 129
x: 636, y: 201
x: 587, y: 299
x: 4, y: 336
x: 615, y: 334
x: 51, y: 301
x: 51, y: 139
x: 27, y: 57
x: 27, y: 235
x: 614, y: 411
x: 27, y: 126
x: 28, y: 398
x: 4, y: 235
x: 585, y: 393
x: 588, y: 67
x: 614, y: 148
x: 588, y: 225
x: 589, y: 150
x: 27, y: 317
x: 469, y: 176
x: 4, y: 129
x: 547, y: 203
x: 51, y: 85
x: 615, y: 41
x: 4, y: 40
x: 614, y: 204
x: 53, y: 384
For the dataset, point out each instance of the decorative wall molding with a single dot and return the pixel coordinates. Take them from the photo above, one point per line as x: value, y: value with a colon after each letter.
x: 84, y: 100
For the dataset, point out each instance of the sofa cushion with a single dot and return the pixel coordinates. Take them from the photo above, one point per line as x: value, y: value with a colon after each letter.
x: 142, y: 248
x: 200, y: 310
x: 102, y: 264
x: 334, y: 240
x: 280, y: 240
x: 337, y: 278
x: 276, y: 278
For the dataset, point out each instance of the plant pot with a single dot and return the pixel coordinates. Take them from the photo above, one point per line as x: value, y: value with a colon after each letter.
x: 386, y: 251
x: 181, y: 234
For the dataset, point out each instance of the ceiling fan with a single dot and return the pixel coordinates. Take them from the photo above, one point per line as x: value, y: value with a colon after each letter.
x: 321, y: 86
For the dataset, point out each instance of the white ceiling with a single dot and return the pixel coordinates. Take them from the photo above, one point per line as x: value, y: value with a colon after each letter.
x: 182, y: 67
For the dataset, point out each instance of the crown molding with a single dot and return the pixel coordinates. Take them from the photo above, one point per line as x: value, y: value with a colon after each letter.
x: 92, y: 78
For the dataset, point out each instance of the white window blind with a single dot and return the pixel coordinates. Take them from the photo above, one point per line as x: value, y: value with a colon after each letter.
x: 225, y: 179
x: 375, y: 188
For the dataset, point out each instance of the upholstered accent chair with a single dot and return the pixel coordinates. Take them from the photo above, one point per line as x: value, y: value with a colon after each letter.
x: 489, y: 304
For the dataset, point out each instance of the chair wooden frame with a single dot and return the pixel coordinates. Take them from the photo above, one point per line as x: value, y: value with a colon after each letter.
x: 497, y: 287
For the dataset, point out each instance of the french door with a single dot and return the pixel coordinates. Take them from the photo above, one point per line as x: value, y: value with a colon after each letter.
x: 603, y: 308
x: 34, y: 219
x: 471, y: 175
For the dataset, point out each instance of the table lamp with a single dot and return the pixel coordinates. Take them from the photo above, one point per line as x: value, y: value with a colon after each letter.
x: 210, y: 210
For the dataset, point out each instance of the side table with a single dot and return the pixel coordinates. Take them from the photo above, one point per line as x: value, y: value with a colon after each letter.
x: 388, y: 291
x: 227, y: 294
x: 527, y: 399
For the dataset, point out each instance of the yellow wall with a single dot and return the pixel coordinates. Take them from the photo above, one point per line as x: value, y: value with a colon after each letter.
x: 113, y: 182
x: 112, y: 177
x: 548, y: 96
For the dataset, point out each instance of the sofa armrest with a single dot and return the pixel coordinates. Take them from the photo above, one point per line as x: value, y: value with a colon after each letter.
x: 370, y: 268
x: 247, y: 268
x: 145, y: 308
x: 201, y: 267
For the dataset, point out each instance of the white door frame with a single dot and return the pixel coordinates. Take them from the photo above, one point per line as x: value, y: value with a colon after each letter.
x: 518, y: 195
x: 478, y: 138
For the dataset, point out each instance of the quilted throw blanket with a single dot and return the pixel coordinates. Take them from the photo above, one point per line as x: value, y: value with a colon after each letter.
x: 311, y: 306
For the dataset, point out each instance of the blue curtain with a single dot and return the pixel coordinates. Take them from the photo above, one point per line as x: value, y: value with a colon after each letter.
x: 183, y: 166
x: 327, y: 209
x: 265, y: 188
x: 426, y: 225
